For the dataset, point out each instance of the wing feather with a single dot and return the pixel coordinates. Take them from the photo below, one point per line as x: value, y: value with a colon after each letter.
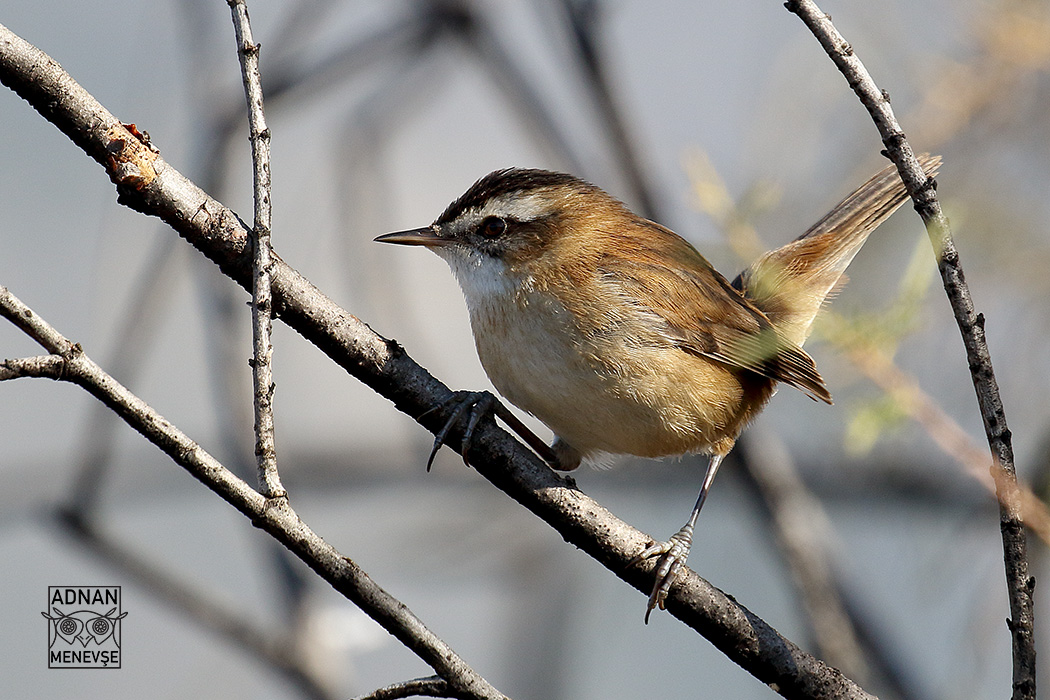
x: 701, y: 312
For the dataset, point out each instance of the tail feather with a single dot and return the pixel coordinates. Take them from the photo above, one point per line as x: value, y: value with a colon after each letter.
x: 790, y: 284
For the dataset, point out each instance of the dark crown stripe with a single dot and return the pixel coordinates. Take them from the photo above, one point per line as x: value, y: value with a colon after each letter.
x: 504, y: 182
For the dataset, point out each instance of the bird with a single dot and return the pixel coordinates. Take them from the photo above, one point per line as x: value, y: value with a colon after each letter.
x: 620, y: 337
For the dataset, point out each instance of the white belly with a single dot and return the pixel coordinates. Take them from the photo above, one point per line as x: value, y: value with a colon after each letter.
x: 603, y: 393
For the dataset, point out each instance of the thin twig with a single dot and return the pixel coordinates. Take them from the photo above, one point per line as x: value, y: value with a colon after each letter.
x: 922, y: 189
x: 274, y: 516
x: 262, y: 306
x: 221, y: 304
x: 38, y: 366
x: 431, y: 687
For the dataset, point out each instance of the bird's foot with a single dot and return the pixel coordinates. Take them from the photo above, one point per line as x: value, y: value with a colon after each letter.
x: 478, y: 403
x: 673, y: 555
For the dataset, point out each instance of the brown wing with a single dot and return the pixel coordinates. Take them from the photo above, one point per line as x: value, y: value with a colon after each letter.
x: 701, y: 312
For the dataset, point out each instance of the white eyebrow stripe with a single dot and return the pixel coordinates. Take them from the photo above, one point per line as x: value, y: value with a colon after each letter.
x: 520, y: 207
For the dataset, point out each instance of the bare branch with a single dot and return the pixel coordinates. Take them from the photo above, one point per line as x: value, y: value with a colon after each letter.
x: 278, y: 649
x: 50, y: 366
x: 138, y: 324
x: 262, y: 305
x: 384, y: 366
x: 923, y: 191
x: 432, y: 687
x: 275, y: 516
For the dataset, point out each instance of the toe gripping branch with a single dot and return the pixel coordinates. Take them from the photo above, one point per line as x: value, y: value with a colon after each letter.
x: 481, y: 404
x: 673, y: 555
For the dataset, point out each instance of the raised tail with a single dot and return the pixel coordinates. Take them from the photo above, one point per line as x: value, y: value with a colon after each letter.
x: 790, y: 284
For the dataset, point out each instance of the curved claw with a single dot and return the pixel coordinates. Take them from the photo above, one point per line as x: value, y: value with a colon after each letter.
x: 479, y: 403
x: 673, y: 555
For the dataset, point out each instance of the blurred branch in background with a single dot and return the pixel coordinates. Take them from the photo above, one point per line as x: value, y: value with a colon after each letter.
x: 585, y: 21
x: 1011, y: 40
x: 806, y: 540
x: 805, y: 535
x: 855, y: 338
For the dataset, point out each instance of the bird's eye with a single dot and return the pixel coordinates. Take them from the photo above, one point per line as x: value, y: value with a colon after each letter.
x: 493, y: 227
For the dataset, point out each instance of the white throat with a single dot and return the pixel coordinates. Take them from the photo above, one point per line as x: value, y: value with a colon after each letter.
x: 483, y: 278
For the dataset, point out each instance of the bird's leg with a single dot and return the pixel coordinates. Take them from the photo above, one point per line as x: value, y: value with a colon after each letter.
x: 481, y: 403
x: 675, y: 551
x: 546, y: 453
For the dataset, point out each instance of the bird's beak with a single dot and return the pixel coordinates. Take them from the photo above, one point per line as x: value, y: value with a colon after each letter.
x: 428, y: 236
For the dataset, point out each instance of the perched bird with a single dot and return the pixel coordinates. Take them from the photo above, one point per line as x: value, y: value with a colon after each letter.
x: 620, y: 337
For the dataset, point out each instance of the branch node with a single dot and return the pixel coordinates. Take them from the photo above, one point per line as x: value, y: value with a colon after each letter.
x: 277, y: 501
x: 895, y: 140
x: 129, y: 161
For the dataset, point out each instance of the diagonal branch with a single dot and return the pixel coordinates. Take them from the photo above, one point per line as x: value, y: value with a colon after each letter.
x: 278, y: 649
x: 432, y: 687
x: 923, y: 191
x: 148, y: 184
x: 275, y: 516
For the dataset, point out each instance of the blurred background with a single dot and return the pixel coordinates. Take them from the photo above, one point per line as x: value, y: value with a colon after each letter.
x: 864, y: 531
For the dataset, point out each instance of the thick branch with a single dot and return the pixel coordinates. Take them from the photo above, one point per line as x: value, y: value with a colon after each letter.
x: 923, y: 191
x: 275, y: 516
x: 385, y: 367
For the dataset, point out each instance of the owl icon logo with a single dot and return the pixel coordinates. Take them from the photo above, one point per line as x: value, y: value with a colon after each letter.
x: 84, y: 626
